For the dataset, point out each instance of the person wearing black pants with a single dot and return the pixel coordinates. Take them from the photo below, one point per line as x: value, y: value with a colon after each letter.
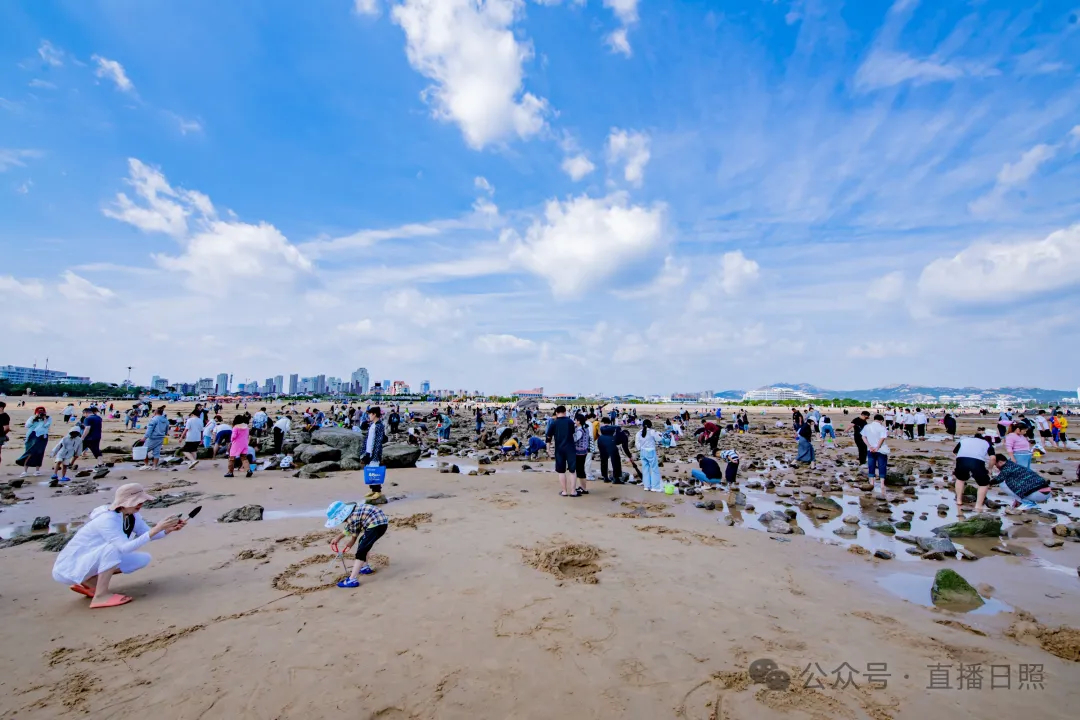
x: 367, y: 523
x: 609, y: 449
x: 857, y: 426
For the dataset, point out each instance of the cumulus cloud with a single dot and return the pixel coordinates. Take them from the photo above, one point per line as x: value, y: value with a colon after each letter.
x: 114, y: 71
x: 584, y: 240
x: 886, y: 289
x: 29, y: 288
x: 14, y: 157
x: 503, y: 344
x: 577, y: 166
x: 475, y: 62
x: 992, y: 272
x: 631, y: 151
x: 164, y: 208
x: 51, y: 54
x: 626, y: 13
x: 737, y: 272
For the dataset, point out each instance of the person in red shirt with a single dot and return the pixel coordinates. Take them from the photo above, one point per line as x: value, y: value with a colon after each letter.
x: 709, y: 433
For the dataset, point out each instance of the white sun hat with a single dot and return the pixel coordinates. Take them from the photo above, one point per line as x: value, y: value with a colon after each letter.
x: 338, y: 512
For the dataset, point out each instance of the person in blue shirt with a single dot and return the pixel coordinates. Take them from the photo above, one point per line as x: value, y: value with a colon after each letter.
x: 156, y: 431
x: 91, y: 439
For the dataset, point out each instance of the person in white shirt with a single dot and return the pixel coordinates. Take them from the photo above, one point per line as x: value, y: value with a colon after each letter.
x: 1043, y: 426
x: 890, y: 419
x: 877, y: 452
x: 646, y: 441
x: 193, y: 431
x: 208, y: 431
x: 281, y: 427
x: 920, y: 422
x: 974, y: 456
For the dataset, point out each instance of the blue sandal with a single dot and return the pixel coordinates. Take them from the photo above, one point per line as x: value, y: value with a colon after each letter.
x: 366, y: 570
x: 349, y: 583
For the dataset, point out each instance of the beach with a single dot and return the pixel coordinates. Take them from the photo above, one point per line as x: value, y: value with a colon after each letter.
x: 494, y: 597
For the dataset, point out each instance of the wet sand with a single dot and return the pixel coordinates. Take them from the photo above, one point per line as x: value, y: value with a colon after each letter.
x: 500, y: 599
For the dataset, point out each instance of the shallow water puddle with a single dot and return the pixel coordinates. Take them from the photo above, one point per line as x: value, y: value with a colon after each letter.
x: 8, y: 532
x: 916, y: 589
x: 286, y: 514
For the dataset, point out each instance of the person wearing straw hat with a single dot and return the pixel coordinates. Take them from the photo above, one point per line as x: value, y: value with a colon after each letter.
x: 107, y: 545
x: 366, y: 522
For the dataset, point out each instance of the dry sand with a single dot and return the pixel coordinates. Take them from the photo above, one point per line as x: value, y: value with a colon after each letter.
x: 501, y: 599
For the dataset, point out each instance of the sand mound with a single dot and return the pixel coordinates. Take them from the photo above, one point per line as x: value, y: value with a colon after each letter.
x: 566, y: 561
x: 1063, y: 641
x: 411, y: 521
x: 319, y: 578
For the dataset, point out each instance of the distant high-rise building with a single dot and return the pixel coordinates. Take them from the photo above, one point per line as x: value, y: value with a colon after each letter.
x: 293, y: 379
x: 360, y: 381
x: 222, y: 387
x: 279, y: 384
x: 159, y: 383
x: 386, y: 386
x: 320, y: 384
x: 268, y: 386
x: 154, y: 381
x: 206, y: 386
x: 425, y: 387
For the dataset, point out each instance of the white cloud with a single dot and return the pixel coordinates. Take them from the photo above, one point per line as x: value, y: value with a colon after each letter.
x: 412, y: 306
x: 496, y: 344
x: 51, y: 54
x: 670, y: 278
x: 879, y: 350
x: 1074, y: 134
x: 618, y: 41
x: 166, y: 209
x: 884, y: 69
x: 993, y: 272
x: 30, y: 288
x: 13, y: 157
x: 186, y: 126
x: 631, y: 149
x: 1012, y: 175
x: 24, y: 188
x: 360, y: 327
x: 470, y: 52
x: 42, y: 84
x: 75, y: 287
x: 626, y: 13
x: 585, y: 240
x: 225, y: 252
x: 737, y: 272
x: 887, y: 289
x: 112, y: 70
x: 482, y: 183
x: 366, y: 7
x: 577, y: 166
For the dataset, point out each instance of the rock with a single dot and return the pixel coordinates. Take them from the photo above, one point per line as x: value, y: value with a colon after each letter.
x: 882, y: 526
x: 883, y: 555
x: 784, y: 492
x: 319, y: 454
x: 943, y: 508
x: 933, y: 556
x: 780, y: 527
x: 913, y: 551
x: 400, y: 455
x: 729, y: 521
x: 100, y: 473
x: 1001, y: 549
x: 846, y: 531
x: 351, y: 464
x: 41, y: 523
x: 908, y: 539
x: 896, y: 479
x: 965, y: 555
x: 866, y: 487
x: 851, y: 520
x: 248, y: 513
x: 379, y: 499
x: 754, y: 485
x: 83, y: 473
x: 740, y: 499
x: 982, y: 525
x: 950, y: 588
x: 347, y: 442
x: 313, y: 469
x: 822, y: 503
x: 708, y: 505
x: 1061, y: 531
x: 167, y: 500
x: 941, y: 545
x: 771, y: 516
x: 1054, y: 543
x: 903, y: 525
x: 1056, y: 470
x: 57, y: 541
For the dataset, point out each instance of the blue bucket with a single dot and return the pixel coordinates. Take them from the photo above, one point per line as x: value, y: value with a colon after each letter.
x: 375, y: 475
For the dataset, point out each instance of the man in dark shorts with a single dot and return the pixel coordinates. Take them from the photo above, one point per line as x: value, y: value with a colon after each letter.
x: 92, y: 432
x: 973, y: 456
x: 560, y: 437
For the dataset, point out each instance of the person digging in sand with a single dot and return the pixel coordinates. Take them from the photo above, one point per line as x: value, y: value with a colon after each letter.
x: 107, y: 545
x: 66, y: 453
x: 366, y: 522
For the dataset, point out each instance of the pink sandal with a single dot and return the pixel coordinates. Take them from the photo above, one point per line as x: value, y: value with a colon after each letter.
x: 114, y: 601
x: 82, y: 590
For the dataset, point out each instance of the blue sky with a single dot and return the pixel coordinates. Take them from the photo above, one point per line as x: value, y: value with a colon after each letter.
x: 616, y: 196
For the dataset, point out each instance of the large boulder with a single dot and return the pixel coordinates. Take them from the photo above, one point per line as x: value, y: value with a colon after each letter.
x: 248, y: 513
x: 351, y: 444
x: 317, y: 454
x: 313, y: 469
x: 950, y: 588
x: 981, y: 525
x: 400, y: 455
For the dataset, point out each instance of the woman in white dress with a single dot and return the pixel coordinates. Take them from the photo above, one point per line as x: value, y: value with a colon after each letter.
x: 107, y: 545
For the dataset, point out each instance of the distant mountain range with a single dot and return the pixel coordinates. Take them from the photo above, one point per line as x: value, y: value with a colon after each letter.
x: 916, y: 393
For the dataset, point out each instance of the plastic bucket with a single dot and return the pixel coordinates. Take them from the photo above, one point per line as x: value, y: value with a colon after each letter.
x: 374, y: 475
x: 669, y: 489
x: 139, y: 453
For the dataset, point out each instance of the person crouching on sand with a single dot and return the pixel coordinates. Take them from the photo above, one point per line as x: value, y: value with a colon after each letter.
x: 366, y: 522
x: 107, y: 545
x: 66, y: 453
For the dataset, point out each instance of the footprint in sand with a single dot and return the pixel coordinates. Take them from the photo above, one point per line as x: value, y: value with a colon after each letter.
x: 299, y: 579
x: 565, y: 560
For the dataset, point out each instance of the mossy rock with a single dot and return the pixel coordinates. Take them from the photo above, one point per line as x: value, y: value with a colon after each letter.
x: 902, y: 525
x: 982, y: 525
x: 950, y: 588
x: 882, y: 526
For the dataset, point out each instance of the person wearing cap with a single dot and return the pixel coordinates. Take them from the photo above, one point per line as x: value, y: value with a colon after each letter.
x: 65, y: 453
x: 366, y: 522
x: 37, y: 440
x: 107, y: 545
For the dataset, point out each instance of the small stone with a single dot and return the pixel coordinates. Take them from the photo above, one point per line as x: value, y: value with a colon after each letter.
x: 1053, y: 543
x: 727, y: 520
x: 882, y: 526
x: 41, y: 523
x: 913, y: 551
x: 846, y: 531
x: 883, y: 555
x: 851, y: 520
x: 1001, y: 549
x: 933, y: 556
x: 248, y: 513
x: 1061, y: 530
